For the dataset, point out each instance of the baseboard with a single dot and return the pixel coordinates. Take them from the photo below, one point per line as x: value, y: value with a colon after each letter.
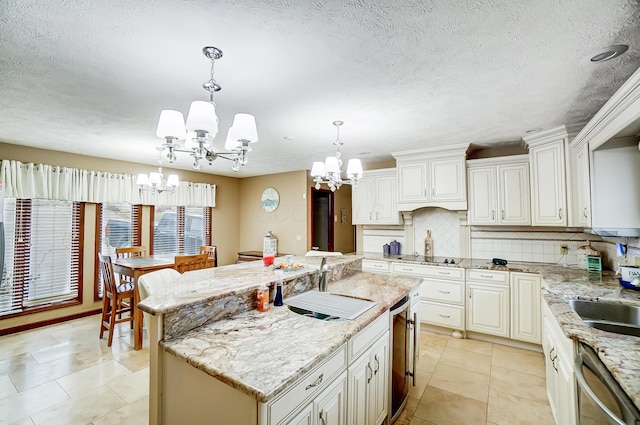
x: 34, y: 325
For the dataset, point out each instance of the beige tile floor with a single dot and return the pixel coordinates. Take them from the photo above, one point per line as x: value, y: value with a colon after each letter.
x: 63, y: 374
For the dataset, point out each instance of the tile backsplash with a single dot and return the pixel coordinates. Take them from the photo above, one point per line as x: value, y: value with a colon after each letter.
x: 445, y: 231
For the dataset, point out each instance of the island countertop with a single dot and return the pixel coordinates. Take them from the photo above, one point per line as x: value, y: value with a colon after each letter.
x: 262, y: 354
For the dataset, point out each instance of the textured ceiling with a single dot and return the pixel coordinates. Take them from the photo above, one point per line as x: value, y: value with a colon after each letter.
x: 91, y: 76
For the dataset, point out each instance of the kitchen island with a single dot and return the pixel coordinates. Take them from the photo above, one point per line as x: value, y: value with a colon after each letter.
x: 206, y: 328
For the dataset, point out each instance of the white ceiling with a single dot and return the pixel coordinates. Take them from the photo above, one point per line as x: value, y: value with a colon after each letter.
x: 91, y: 76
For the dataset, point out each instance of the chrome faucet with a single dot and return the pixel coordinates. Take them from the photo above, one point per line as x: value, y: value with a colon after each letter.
x: 324, y: 269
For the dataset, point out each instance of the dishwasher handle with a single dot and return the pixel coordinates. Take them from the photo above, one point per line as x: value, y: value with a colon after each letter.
x: 587, y: 357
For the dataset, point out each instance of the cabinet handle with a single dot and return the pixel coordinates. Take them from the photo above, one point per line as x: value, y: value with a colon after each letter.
x: 444, y: 273
x: 444, y: 292
x: 370, y: 370
x: 502, y: 214
x: 444, y: 315
x: 493, y: 214
x: 375, y: 372
x: 559, y: 212
x: 370, y: 216
x: 406, y: 269
x: 322, y: 419
x: 316, y: 382
x: 433, y: 192
x: 584, y: 212
x: 377, y: 215
x: 487, y: 276
x: 378, y: 266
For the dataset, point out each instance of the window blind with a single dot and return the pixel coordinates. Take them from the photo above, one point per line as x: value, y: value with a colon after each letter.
x: 181, y: 230
x: 43, y: 253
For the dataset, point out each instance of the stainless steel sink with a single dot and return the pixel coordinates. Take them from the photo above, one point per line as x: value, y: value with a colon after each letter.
x: 327, y: 306
x: 610, y: 317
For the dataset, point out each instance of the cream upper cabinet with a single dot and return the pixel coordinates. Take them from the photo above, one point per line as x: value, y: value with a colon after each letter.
x: 374, y: 200
x: 499, y: 191
x: 548, y: 177
x: 433, y: 177
x: 580, y: 188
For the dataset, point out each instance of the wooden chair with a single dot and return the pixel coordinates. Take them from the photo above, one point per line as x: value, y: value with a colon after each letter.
x: 131, y: 251
x: 212, y: 252
x: 128, y: 252
x: 185, y: 263
x: 116, y: 299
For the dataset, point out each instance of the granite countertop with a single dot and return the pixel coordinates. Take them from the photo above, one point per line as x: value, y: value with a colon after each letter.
x: 215, y: 283
x: 261, y: 355
x: 619, y: 353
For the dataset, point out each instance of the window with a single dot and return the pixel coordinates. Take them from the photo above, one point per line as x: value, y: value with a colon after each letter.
x: 43, y: 256
x: 181, y: 230
x: 119, y: 227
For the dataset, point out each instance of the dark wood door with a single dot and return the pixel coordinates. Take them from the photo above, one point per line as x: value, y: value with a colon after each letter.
x: 322, y: 219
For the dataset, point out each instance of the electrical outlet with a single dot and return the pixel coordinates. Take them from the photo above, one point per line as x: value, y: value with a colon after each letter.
x: 564, y: 249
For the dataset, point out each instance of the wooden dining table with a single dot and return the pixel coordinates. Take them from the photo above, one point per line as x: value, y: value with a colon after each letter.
x: 136, y: 267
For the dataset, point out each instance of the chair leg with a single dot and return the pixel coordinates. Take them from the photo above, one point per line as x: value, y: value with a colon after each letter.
x: 112, y: 318
x: 131, y: 312
x: 105, y: 309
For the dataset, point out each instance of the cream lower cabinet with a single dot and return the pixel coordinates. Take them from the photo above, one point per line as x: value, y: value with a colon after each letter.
x: 559, y: 354
x: 368, y: 385
x: 329, y: 408
x: 488, y: 302
x: 525, y: 307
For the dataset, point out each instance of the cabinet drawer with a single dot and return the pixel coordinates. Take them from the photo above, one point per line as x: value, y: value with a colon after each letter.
x: 306, y: 387
x: 375, y: 266
x: 363, y: 339
x: 449, y: 316
x: 480, y: 275
x: 450, y: 273
x: 435, y: 290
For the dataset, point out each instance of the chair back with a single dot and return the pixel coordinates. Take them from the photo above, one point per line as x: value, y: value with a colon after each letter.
x: 131, y: 251
x: 211, y: 251
x: 106, y: 271
x: 185, y: 263
x: 152, y: 283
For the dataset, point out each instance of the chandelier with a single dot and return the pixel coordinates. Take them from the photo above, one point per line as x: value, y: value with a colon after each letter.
x: 329, y: 171
x: 156, y: 183
x: 202, y: 126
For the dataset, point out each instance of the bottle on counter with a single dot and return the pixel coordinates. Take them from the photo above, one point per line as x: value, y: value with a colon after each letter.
x: 585, y: 251
x: 277, y: 300
x: 262, y: 298
x: 428, y: 246
x: 269, y: 248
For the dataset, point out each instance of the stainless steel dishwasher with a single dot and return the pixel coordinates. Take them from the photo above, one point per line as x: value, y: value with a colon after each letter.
x: 600, y: 398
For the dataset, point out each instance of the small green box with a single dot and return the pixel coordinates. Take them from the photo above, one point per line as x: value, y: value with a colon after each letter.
x: 594, y: 264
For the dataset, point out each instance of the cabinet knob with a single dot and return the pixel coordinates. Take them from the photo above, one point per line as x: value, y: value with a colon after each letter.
x: 502, y: 214
x: 493, y: 214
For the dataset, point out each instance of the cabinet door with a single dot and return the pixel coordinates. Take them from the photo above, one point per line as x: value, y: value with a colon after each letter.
x: 448, y: 181
x: 488, y: 309
x: 548, y: 182
x: 379, y: 385
x: 386, y: 200
x: 566, y: 388
x: 525, y: 307
x: 331, y: 404
x: 303, y: 418
x: 482, y: 196
x: 550, y: 359
x: 412, y: 182
x: 362, y: 201
x: 582, y: 186
x: 359, y: 373
x: 514, y: 194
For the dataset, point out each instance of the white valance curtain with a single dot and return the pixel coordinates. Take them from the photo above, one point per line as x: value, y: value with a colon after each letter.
x: 41, y: 181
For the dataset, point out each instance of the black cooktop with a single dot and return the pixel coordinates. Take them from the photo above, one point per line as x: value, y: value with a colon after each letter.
x: 423, y: 259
